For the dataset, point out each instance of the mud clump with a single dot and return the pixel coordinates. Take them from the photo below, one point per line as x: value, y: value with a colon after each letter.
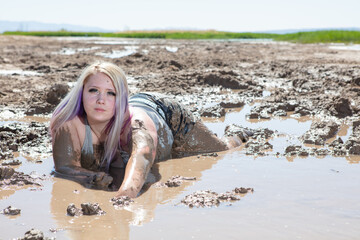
x: 86, y: 209
x: 215, y: 111
x: 205, y: 198
x: 336, y: 148
x: 340, y: 107
x: 319, y: 132
x: 256, y: 139
x: 352, y: 145
x: 6, y: 173
x: 296, y: 150
x: 34, y: 234
x: 243, y: 190
x: 212, y: 154
x: 209, y: 198
x: 28, y: 138
x: 232, y: 104
x: 91, y: 209
x: 14, y: 162
x: 174, y: 181
x: 236, y: 130
x: 273, y: 108
x: 120, y: 202
x: 40, y: 68
x: 11, y: 177
x: 257, y: 147
x: 72, y: 210
x: 11, y: 211
x: 221, y: 79
x: 56, y: 93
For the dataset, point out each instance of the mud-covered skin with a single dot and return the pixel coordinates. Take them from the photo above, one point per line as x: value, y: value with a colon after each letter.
x: 143, y: 151
x: 190, y: 135
x: 67, y: 160
x: 198, y: 140
x: 93, y: 163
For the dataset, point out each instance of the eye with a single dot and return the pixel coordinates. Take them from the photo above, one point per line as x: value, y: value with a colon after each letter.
x: 93, y: 90
x: 112, y: 94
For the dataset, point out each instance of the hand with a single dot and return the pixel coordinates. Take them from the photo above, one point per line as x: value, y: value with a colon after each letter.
x: 129, y: 193
x: 101, y: 180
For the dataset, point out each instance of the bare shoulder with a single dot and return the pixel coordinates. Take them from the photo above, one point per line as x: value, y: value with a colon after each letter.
x: 74, y: 128
x: 140, y: 121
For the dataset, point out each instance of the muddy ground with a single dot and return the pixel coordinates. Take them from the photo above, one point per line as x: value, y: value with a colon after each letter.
x: 209, y: 76
x: 276, y: 80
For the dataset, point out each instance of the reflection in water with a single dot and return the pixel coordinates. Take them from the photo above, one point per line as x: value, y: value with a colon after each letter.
x: 112, y: 224
x: 287, y: 125
x: 320, y: 195
x: 116, y: 223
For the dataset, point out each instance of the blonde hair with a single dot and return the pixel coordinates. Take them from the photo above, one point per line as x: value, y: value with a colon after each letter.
x: 72, y: 106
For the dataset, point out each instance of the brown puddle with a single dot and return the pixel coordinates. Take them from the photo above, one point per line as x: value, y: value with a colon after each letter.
x: 294, y: 197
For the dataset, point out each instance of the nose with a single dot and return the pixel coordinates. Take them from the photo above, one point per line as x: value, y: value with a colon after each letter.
x: 100, y: 98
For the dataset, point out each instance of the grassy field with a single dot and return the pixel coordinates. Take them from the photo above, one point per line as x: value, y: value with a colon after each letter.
x: 300, y: 37
x: 321, y: 37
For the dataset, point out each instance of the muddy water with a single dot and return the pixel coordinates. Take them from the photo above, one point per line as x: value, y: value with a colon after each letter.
x: 294, y: 198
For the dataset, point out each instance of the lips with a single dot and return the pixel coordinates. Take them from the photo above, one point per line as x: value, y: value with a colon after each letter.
x: 99, y: 110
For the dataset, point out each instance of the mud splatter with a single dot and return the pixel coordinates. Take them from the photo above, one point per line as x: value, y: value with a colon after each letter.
x: 11, y: 211
x: 210, y: 198
x: 120, y: 202
x: 86, y: 209
x: 34, y: 234
x: 10, y: 177
x: 174, y: 181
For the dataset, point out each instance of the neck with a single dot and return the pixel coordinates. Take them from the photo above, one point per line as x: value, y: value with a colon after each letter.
x: 98, y: 129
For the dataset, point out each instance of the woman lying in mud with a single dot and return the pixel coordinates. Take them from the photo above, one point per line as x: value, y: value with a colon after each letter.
x: 102, y: 137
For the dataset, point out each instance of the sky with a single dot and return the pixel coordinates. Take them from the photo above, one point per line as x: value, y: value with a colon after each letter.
x: 222, y: 15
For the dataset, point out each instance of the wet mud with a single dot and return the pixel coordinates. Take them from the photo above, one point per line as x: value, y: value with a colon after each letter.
x: 11, y: 211
x: 210, y: 198
x: 10, y: 177
x: 86, y: 209
x: 34, y: 234
x: 174, y: 181
x: 312, y: 85
x: 120, y: 202
x: 227, y: 74
x: 30, y: 139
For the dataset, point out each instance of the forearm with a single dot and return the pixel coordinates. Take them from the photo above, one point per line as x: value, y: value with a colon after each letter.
x: 143, y: 151
x: 136, y: 172
x: 84, y: 176
x: 74, y: 171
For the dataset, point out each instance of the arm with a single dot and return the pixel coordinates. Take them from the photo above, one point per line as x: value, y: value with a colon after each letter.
x: 67, y: 154
x: 144, y: 142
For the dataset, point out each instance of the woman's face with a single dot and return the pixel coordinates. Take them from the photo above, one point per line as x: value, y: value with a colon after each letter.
x: 99, y: 98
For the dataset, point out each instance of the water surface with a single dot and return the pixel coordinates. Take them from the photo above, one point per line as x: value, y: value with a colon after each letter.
x: 294, y: 198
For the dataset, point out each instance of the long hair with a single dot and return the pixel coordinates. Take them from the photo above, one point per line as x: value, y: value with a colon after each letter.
x: 72, y: 106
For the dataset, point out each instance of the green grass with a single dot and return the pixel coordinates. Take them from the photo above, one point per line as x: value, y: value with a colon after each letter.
x: 321, y: 37
x: 334, y: 36
x: 148, y: 34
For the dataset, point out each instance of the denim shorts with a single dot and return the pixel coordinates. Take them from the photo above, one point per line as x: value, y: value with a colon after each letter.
x: 179, y: 119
